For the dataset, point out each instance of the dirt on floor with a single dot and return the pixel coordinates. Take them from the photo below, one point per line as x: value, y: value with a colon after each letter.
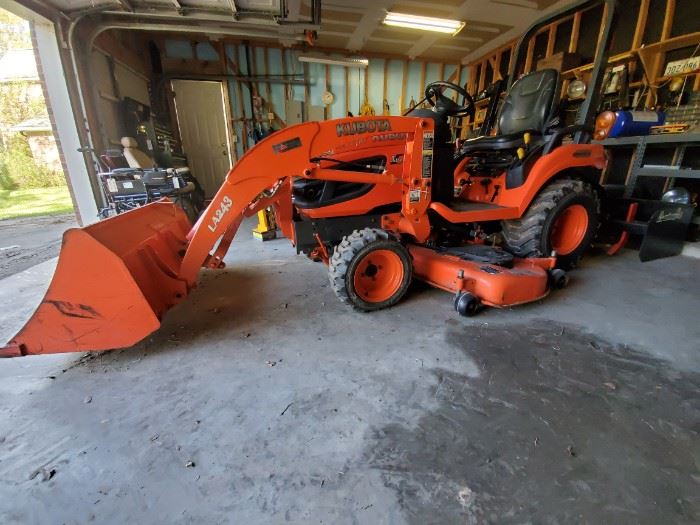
x: 262, y: 399
x: 28, y: 241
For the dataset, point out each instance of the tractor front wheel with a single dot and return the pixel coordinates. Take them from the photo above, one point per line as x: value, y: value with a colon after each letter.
x: 370, y: 270
x: 563, y: 218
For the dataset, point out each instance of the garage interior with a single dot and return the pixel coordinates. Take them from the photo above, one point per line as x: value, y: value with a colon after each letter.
x: 261, y: 398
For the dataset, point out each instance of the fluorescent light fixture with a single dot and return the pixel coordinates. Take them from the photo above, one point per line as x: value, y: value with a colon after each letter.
x: 425, y: 23
x: 346, y: 62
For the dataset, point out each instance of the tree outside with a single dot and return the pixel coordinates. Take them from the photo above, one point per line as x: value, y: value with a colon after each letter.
x: 28, y: 155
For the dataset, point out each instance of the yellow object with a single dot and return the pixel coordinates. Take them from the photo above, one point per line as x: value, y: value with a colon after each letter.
x: 367, y: 110
x: 526, y: 138
x: 521, y: 153
x: 266, y: 228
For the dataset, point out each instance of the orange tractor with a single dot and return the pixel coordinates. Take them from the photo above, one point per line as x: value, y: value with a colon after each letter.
x: 381, y: 200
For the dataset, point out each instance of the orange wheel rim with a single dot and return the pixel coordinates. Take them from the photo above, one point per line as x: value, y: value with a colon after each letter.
x: 569, y: 229
x: 378, y: 276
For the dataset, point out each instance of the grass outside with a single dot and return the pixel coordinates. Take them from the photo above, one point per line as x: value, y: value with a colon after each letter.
x: 35, y: 201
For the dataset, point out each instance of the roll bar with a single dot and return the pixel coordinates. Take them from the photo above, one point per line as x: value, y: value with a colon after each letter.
x: 590, y: 104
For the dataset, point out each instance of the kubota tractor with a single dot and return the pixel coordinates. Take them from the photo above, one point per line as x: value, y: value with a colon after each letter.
x: 380, y: 199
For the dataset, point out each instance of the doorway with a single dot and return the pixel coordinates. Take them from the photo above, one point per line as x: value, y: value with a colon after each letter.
x: 201, y: 118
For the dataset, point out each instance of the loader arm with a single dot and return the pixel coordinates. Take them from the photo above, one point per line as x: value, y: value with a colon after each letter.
x: 260, y: 176
x: 116, y: 279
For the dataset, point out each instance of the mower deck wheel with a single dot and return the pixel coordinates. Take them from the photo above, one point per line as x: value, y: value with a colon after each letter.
x: 370, y: 270
x: 467, y: 304
x: 558, y: 279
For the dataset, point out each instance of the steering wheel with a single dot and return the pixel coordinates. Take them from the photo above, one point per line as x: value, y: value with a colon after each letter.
x: 434, y: 96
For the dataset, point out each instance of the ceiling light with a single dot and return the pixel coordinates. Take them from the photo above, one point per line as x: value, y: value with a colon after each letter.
x: 346, y: 62
x: 425, y: 23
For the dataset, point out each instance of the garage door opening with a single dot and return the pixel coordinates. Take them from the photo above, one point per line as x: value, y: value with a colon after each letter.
x: 35, y: 203
x: 201, y: 118
x: 32, y: 181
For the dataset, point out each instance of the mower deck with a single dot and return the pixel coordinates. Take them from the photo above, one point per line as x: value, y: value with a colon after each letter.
x: 490, y: 274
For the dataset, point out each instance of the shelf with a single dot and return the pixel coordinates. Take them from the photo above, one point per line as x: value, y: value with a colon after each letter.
x: 644, y: 53
x: 668, y: 172
x: 679, y: 75
x: 671, y: 43
x: 668, y: 138
x: 622, y: 141
x: 628, y: 55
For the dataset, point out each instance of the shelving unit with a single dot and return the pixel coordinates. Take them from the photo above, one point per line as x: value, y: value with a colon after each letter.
x: 646, y: 41
x: 639, y: 168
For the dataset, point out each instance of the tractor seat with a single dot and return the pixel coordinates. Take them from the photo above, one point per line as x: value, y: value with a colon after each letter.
x: 530, y: 106
x: 134, y: 156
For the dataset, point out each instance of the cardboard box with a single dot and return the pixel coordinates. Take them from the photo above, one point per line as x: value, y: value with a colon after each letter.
x: 560, y: 61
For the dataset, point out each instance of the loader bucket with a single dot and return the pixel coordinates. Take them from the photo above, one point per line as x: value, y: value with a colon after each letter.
x: 113, y: 282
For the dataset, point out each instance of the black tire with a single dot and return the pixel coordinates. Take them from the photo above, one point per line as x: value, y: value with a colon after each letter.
x: 558, y: 279
x: 352, y: 251
x: 530, y: 236
x: 466, y: 304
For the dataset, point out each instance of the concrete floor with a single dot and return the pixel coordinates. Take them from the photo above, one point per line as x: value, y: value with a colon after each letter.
x: 28, y: 241
x: 583, y: 408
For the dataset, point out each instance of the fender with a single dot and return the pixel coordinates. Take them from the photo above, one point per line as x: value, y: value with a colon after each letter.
x: 548, y: 167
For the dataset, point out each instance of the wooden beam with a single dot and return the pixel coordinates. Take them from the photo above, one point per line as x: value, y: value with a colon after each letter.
x: 482, y: 75
x: 366, y: 86
x: 121, y: 53
x: 307, y: 94
x: 253, y: 71
x: 423, y: 68
x: 404, y: 81
x: 575, y: 30
x: 456, y: 77
x: 328, y: 88
x: 239, y: 93
x: 471, y: 86
x: 384, y: 90
x: 668, y: 19
x: 600, y: 34
x: 529, y: 57
x: 347, y: 91
x: 492, y: 61
x: 266, y: 69
x: 497, y: 67
x: 228, y: 110
x: 641, y: 24
x: 288, y: 91
x: 550, y: 39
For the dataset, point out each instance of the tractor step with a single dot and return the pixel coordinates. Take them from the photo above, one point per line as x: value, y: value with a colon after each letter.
x: 461, y: 205
x: 461, y: 211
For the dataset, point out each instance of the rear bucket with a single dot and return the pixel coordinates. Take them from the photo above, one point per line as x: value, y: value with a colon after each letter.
x: 113, y: 282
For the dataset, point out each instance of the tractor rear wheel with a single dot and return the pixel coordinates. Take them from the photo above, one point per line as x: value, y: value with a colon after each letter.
x: 370, y: 270
x: 564, y: 218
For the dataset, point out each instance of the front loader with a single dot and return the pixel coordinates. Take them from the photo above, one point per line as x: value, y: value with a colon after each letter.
x: 381, y: 200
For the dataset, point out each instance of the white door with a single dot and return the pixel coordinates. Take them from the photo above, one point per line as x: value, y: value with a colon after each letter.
x: 201, y: 117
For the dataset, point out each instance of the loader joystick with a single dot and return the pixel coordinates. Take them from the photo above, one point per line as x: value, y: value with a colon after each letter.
x: 443, y: 104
